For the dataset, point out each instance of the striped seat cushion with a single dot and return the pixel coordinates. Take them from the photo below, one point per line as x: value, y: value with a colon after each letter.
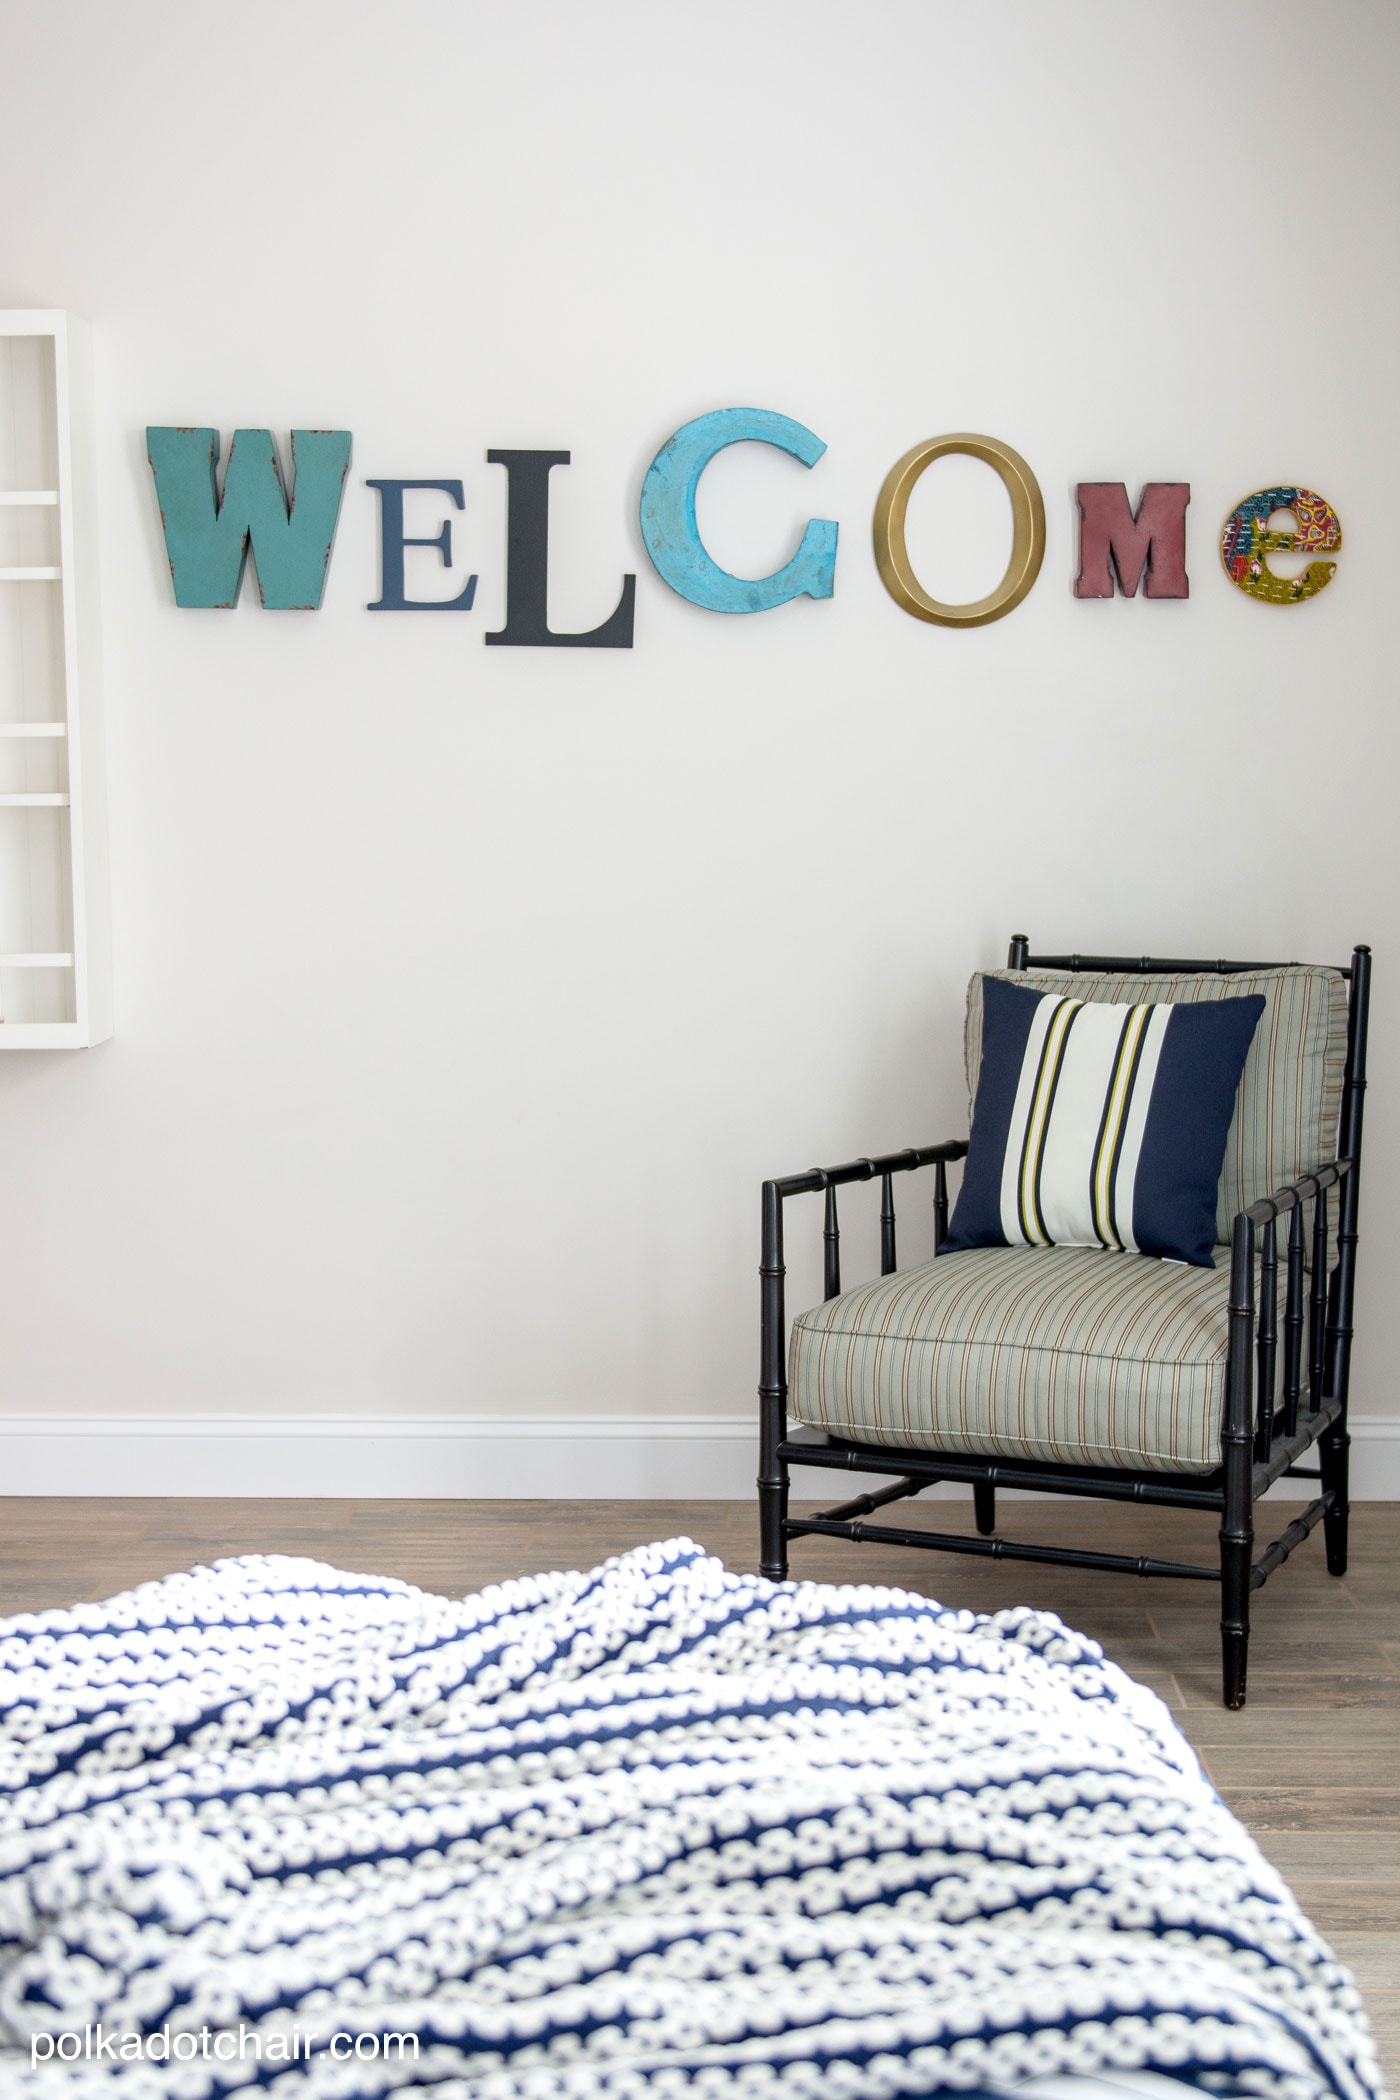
x: 1290, y: 1092
x: 1063, y: 1353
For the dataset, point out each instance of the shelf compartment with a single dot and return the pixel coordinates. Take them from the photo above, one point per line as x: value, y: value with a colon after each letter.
x: 34, y: 775
x: 29, y: 394
x: 42, y: 1035
x: 55, y: 957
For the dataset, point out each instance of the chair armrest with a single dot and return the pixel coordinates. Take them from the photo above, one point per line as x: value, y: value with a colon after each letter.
x: 773, y: 1382
x: 866, y: 1169
x: 772, y: 1385
x: 1293, y: 1195
x: 1308, y: 1375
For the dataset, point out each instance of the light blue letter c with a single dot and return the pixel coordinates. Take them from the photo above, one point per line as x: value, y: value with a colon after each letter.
x: 673, y: 539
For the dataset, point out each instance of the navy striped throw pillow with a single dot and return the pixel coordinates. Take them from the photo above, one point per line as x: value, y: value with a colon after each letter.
x: 1100, y: 1126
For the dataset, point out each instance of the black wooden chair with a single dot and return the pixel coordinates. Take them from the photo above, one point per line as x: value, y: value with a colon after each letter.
x: 1269, y: 1360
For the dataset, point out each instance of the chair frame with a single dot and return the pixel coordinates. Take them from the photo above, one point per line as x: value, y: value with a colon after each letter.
x: 1265, y: 1428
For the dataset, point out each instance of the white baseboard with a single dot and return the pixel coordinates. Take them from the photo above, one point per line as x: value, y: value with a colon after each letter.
x: 590, y: 1458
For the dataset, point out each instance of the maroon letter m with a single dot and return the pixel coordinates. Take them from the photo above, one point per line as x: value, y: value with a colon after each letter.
x: 1111, y: 538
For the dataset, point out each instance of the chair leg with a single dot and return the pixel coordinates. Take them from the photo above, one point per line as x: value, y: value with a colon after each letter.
x: 1236, y: 1564
x: 1236, y: 1559
x: 1334, y: 1461
x: 984, y: 1504
x: 1234, y: 1660
x: 772, y: 1514
x: 772, y: 1392
x: 1237, y: 1455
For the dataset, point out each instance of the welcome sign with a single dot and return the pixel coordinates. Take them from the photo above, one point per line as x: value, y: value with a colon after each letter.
x: 290, y: 532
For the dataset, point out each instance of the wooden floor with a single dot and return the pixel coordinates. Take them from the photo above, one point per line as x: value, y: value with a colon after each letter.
x: 1312, y: 1764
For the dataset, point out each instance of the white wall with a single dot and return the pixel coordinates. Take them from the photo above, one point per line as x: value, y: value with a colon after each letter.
x: 465, y: 995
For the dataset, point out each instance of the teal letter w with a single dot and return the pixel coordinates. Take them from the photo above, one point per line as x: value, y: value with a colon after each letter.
x: 207, y: 540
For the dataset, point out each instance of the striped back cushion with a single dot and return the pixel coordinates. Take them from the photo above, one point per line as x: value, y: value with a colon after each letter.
x: 1099, y: 1125
x: 1290, y: 1095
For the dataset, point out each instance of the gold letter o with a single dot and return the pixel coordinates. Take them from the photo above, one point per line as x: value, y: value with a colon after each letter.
x: 1027, y: 542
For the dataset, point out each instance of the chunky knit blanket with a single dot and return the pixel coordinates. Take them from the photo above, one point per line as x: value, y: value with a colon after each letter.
x: 646, y: 1833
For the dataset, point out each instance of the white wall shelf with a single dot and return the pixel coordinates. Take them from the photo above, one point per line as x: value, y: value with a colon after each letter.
x: 55, y: 943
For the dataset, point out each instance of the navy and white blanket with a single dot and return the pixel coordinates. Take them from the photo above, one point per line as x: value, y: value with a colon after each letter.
x: 656, y: 1832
